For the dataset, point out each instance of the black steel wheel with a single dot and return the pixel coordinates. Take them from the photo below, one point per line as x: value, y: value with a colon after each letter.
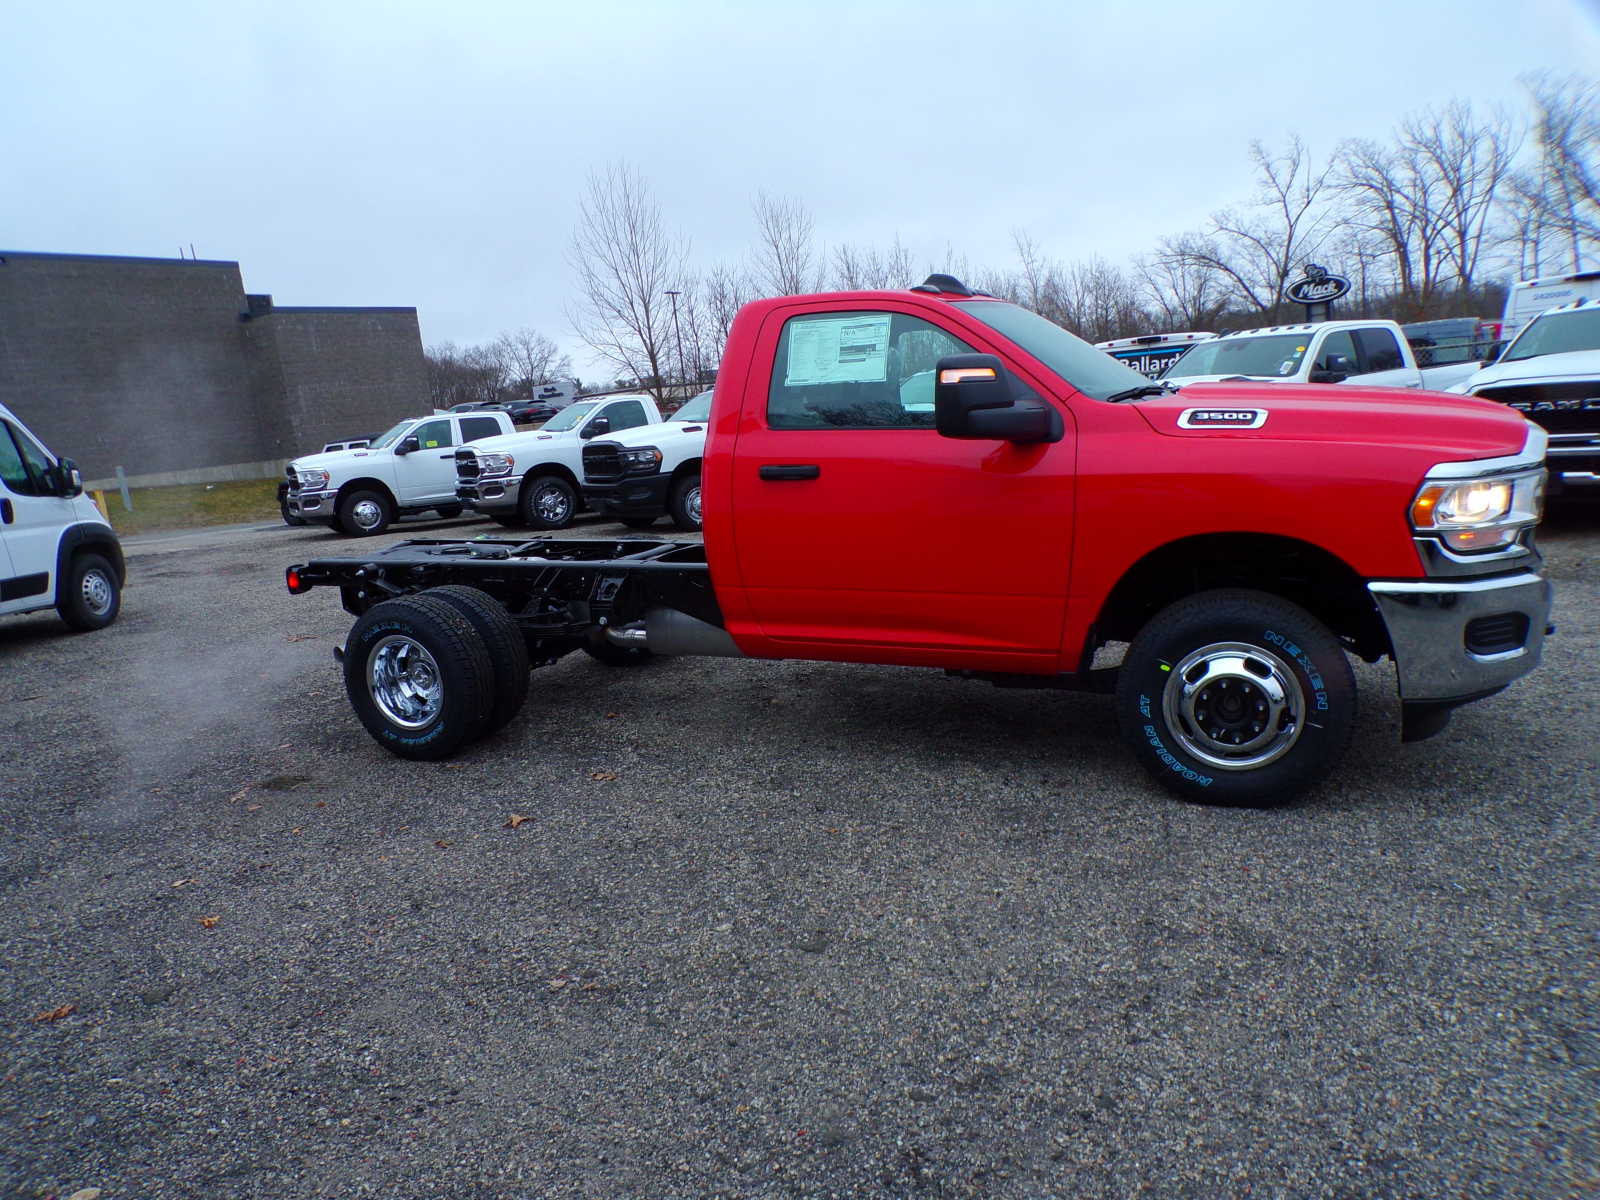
x: 89, y: 596
x: 419, y: 677
x: 508, y: 651
x: 1236, y: 697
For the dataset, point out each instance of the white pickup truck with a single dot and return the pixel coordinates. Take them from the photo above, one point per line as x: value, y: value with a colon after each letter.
x: 534, y: 478
x: 409, y: 469
x: 1370, y: 353
x: 651, y: 470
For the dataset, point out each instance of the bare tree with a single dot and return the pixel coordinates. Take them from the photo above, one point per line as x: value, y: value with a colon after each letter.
x: 784, y: 257
x: 1561, y: 195
x: 1189, y: 295
x: 456, y: 376
x: 530, y: 359
x: 1468, y: 160
x: 1395, y: 199
x: 625, y: 260
x: 871, y: 269
x: 1257, y: 251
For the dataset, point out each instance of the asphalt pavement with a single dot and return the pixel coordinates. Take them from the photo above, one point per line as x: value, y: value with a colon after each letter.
x: 728, y: 928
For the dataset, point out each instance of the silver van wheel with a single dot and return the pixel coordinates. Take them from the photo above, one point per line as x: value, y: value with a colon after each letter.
x: 99, y: 593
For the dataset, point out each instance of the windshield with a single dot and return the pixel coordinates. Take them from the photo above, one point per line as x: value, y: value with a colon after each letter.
x: 698, y: 409
x: 568, y: 417
x: 384, y: 440
x: 1279, y: 354
x: 1557, y: 333
x: 1093, y: 372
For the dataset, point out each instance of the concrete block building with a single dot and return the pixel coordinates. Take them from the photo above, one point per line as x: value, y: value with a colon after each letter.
x: 170, y: 370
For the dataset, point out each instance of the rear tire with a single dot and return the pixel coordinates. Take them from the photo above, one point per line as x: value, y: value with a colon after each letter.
x: 90, y: 596
x: 1236, y: 697
x: 419, y: 677
x: 508, y: 651
x: 547, y: 502
x: 683, y: 506
x: 364, y: 513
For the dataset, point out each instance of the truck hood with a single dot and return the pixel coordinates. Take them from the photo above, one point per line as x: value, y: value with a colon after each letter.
x: 661, y: 433
x: 510, y: 443
x: 1457, y: 428
x: 337, y: 458
x: 1574, y: 364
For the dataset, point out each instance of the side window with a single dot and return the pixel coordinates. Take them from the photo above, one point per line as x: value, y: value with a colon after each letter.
x: 1379, y: 350
x: 1338, y: 345
x: 22, y: 464
x: 859, y: 370
x: 626, y: 414
x: 434, y: 435
x: 473, y: 428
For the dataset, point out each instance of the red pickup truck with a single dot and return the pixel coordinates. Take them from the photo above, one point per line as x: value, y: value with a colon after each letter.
x: 937, y: 478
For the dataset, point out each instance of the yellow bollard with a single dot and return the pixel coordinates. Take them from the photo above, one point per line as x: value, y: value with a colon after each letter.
x: 99, y: 499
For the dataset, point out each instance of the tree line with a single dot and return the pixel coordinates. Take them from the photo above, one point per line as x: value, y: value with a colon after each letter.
x: 1430, y: 222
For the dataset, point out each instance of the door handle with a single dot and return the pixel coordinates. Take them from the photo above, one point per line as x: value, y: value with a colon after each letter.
x: 778, y: 472
x: 7, y: 513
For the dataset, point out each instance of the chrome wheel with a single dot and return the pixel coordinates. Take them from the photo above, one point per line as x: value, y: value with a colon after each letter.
x: 98, y: 592
x: 552, y: 504
x: 404, y: 681
x: 1234, y: 706
x: 367, y: 514
x: 691, y: 503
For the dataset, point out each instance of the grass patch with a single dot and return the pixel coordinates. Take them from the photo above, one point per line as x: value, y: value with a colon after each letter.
x: 192, y: 505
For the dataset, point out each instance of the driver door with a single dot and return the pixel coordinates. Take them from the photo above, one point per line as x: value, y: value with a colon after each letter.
x: 31, y: 519
x: 863, y: 534
x: 428, y: 473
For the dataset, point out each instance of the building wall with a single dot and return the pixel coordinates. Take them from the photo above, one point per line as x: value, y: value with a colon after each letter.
x: 345, y: 372
x: 165, y: 367
x: 128, y: 361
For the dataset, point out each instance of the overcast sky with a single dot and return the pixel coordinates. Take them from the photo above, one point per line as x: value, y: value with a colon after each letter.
x: 433, y: 154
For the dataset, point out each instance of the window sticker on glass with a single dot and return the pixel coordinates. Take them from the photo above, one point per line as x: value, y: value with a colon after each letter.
x: 843, y: 350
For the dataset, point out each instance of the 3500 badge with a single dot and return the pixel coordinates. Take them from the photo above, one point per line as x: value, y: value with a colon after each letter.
x: 1222, y: 418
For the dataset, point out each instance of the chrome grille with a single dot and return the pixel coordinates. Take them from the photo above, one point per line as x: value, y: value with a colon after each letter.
x: 466, y: 465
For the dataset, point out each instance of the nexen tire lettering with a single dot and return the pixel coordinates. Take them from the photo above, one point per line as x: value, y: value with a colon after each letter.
x: 1313, y: 677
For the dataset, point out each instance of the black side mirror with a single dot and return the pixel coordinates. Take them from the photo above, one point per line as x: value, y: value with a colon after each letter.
x: 69, y: 480
x: 1334, y: 369
x: 408, y: 445
x: 596, y: 427
x: 974, y: 396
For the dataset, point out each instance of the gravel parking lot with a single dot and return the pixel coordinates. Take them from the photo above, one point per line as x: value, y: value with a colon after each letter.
x: 767, y: 930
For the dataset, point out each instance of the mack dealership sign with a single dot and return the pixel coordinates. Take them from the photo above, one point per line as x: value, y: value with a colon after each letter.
x: 1318, y: 286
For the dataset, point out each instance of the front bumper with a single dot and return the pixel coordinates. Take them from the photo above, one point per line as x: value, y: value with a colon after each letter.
x: 313, y: 506
x: 1458, y: 639
x: 631, y: 496
x: 492, y: 494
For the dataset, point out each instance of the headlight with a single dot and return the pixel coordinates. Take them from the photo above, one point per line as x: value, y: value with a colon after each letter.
x: 311, y: 480
x: 1479, y: 514
x: 642, y: 461
x: 495, y: 464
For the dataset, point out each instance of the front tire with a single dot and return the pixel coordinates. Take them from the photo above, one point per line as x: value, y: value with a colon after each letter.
x: 547, y: 502
x: 365, y: 513
x: 683, y: 506
x: 419, y: 677
x: 289, y: 518
x: 90, y: 597
x: 449, y: 512
x: 1236, y: 697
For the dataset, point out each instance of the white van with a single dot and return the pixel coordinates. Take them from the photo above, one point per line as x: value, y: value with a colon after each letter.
x: 56, y: 550
x: 1526, y: 300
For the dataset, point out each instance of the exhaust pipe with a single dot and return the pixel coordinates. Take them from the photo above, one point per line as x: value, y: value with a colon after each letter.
x: 668, y: 631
